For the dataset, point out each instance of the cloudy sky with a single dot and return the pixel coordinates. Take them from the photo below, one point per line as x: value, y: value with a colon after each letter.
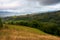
x: 27, y: 6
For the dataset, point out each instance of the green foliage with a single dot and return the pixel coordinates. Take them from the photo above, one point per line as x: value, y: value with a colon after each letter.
x: 47, y: 22
x: 1, y: 24
x: 50, y: 27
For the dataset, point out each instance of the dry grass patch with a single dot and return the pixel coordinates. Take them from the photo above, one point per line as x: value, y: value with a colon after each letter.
x: 14, y: 32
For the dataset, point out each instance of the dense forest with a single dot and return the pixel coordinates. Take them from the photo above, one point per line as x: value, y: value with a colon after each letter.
x: 48, y: 22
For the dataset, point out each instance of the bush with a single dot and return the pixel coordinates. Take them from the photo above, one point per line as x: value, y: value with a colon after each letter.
x: 1, y: 24
x: 48, y: 27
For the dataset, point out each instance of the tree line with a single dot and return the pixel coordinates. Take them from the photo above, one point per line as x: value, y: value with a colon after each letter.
x: 47, y: 22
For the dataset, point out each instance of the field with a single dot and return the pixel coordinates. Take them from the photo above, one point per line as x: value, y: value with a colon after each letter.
x: 16, y: 32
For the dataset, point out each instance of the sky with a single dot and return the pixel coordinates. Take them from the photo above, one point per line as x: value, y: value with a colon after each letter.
x: 20, y: 7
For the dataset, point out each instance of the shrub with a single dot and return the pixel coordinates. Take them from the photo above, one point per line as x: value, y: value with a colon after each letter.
x: 1, y: 24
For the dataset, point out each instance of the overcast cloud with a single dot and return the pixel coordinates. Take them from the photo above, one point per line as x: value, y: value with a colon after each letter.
x: 46, y: 2
x: 29, y: 6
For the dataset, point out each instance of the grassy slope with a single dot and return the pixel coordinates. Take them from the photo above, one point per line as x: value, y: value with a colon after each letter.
x: 15, y: 32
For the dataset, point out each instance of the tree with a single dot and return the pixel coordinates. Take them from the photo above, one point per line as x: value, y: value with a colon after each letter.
x: 1, y: 24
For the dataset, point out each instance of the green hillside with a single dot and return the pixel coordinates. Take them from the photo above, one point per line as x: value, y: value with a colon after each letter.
x: 37, y: 16
x: 37, y: 26
x: 15, y: 32
x: 48, y: 22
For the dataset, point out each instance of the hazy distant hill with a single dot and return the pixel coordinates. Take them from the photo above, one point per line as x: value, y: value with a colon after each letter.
x: 38, y: 16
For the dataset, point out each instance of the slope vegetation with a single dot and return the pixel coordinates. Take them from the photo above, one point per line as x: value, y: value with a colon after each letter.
x: 48, y: 22
x: 15, y: 32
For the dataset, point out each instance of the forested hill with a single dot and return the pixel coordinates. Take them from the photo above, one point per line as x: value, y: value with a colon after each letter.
x: 45, y: 17
x: 48, y: 22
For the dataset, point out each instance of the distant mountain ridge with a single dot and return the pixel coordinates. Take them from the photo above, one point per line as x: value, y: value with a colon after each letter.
x: 41, y: 16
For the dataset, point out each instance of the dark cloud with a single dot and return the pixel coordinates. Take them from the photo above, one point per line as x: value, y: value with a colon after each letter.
x: 47, y: 2
x: 50, y: 2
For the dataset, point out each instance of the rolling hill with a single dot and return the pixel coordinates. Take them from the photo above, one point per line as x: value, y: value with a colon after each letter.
x: 48, y: 22
x: 16, y: 32
x: 37, y: 26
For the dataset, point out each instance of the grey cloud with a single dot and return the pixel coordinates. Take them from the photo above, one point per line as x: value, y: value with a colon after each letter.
x: 47, y: 2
